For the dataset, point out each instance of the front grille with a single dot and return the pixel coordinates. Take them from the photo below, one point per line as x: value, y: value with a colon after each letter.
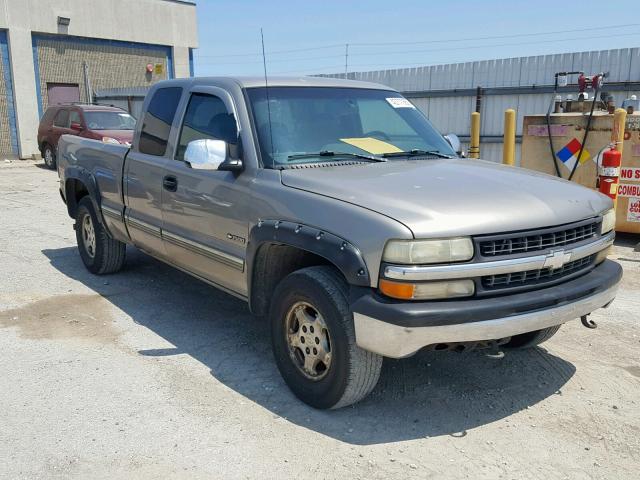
x: 544, y: 239
x: 535, y: 277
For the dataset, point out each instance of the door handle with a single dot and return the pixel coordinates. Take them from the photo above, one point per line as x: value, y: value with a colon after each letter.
x: 170, y: 183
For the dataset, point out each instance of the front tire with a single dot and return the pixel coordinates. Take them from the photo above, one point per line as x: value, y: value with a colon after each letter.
x: 49, y: 156
x: 531, y: 339
x: 100, y: 253
x: 313, y: 339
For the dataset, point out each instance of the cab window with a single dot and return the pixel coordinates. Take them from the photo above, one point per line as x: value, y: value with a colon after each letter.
x: 62, y: 119
x: 157, y: 121
x: 206, y: 117
x: 74, y: 117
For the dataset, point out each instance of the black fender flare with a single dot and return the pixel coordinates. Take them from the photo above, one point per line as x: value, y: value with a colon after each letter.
x: 87, y: 179
x: 336, y: 250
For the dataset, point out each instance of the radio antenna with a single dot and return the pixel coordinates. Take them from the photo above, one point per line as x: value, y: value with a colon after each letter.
x: 266, y: 91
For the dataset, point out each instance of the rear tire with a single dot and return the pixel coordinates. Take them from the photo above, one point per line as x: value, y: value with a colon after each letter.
x: 531, y: 339
x: 338, y: 373
x: 49, y: 156
x: 100, y: 253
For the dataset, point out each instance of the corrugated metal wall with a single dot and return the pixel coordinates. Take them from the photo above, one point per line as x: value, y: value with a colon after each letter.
x: 452, y: 113
x: 130, y: 99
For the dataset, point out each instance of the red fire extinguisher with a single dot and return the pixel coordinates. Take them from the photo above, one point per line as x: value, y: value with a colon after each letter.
x: 609, y: 174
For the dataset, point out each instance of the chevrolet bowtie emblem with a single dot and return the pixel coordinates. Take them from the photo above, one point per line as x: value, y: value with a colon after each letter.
x: 557, y: 259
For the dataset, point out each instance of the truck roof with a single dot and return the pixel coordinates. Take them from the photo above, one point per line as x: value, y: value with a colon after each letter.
x: 280, y: 81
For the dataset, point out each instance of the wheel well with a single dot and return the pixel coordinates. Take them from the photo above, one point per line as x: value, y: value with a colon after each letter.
x: 75, y: 191
x: 272, y: 263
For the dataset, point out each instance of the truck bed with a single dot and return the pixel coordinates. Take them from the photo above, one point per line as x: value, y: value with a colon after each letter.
x: 104, y: 161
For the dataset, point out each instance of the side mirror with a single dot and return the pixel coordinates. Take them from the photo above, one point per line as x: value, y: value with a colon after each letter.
x: 76, y: 126
x: 208, y: 154
x: 455, y: 142
x: 232, y: 165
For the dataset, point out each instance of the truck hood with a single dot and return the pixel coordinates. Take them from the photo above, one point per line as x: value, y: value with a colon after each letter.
x: 453, y: 196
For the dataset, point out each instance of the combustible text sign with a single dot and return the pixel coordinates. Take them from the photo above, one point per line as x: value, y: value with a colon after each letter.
x: 628, y: 190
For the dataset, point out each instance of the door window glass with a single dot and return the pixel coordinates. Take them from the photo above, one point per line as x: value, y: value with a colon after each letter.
x: 74, y: 117
x: 206, y: 117
x: 157, y: 121
x: 62, y: 119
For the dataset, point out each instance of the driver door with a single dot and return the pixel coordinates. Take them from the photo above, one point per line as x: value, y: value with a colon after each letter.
x: 204, y: 211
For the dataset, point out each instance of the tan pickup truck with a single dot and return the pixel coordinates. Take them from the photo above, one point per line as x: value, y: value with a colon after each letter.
x: 337, y: 211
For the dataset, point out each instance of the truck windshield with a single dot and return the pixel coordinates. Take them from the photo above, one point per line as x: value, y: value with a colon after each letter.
x: 109, y: 121
x: 326, y: 124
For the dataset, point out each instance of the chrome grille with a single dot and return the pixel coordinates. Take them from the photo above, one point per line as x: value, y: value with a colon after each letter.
x: 535, y: 277
x: 537, y: 240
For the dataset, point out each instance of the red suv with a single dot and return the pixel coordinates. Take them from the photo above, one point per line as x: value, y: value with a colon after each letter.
x: 99, y: 122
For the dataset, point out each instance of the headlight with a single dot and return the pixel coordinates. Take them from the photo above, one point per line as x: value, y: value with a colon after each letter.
x: 110, y: 140
x: 428, y: 251
x: 427, y: 290
x: 608, y: 221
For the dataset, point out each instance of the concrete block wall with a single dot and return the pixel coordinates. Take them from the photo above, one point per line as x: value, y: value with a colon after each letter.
x: 110, y: 64
x: 8, y: 137
x: 169, y: 25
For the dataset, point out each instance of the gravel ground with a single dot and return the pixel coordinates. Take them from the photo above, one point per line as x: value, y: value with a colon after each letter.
x: 151, y: 374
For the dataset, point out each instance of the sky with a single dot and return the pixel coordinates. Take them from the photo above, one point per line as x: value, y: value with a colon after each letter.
x: 308, y: 37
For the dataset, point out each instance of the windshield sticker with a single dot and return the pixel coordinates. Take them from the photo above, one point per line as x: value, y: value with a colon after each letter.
x: 371, y: 145
x: 396, y: 102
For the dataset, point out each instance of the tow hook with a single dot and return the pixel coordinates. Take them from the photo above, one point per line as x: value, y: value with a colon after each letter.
x: 495, y: 351
x: 588, y: 323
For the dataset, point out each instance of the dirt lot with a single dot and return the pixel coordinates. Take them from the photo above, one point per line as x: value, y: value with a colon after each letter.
x: 152, y: 374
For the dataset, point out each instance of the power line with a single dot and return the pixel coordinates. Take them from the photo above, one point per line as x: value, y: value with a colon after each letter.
x: 450, y: 40
x: 466, y: 47
x: 495, y: 37
x: 350, y: 54
x: 277, y: 52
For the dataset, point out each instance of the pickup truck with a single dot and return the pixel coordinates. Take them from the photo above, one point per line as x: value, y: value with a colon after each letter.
x: 338, y: 212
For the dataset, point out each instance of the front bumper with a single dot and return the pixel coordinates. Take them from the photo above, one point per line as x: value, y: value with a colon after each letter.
x: 399, y: 329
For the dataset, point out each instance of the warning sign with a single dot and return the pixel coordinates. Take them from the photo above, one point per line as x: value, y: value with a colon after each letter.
x: 632, y: 174
x: 628, y: 190
x: 633, y: 213
x: 569, y: 154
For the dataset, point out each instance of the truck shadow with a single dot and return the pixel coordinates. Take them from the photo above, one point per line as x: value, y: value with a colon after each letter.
x: 430, y: 394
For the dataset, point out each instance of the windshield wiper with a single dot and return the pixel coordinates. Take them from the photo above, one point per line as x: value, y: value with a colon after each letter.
x: 416, y: 153
x: 329, y: 153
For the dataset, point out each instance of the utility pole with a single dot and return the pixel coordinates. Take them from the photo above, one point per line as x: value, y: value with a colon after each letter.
x: 346, y: 59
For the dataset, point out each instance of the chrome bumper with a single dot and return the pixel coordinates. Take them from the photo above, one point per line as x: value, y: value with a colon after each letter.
x: 398, y: 341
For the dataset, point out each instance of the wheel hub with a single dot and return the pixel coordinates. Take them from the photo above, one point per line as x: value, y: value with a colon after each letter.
x: 89, y: 236
x: 308, y: 340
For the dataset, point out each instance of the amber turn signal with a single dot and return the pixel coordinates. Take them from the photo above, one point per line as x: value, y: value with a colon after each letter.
x: 402, y: 291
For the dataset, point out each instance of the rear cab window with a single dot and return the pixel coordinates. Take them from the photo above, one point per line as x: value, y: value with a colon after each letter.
x: 157, y: 121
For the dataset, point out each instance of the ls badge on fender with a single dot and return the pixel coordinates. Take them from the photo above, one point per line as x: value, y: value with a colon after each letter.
x: 236, y: 238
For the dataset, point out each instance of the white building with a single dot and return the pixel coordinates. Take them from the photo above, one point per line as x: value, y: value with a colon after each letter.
x: 55, y: 51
